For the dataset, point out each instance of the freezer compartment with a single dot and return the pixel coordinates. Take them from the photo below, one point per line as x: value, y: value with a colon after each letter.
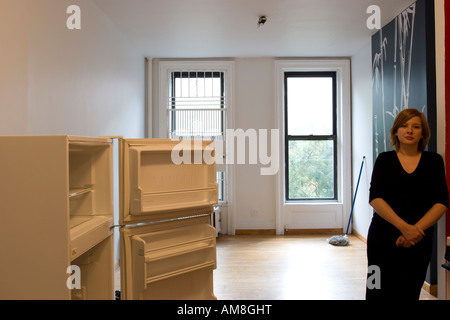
x: 90, y: 177
x: 158, y: 185
x: 172, y: 260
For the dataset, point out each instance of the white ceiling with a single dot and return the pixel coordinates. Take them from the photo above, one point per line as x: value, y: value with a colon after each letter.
x: 228, y: 28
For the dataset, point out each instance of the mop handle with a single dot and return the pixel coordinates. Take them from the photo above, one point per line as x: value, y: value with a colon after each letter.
x: 356, y: 192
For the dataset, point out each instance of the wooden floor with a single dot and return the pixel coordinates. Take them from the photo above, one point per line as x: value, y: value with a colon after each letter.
x: 290, y: 267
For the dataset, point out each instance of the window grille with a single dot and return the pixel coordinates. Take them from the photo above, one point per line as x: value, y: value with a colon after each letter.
x: 197, y: 105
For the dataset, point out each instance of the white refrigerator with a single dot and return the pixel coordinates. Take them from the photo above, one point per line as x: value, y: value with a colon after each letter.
x: 57, y: 218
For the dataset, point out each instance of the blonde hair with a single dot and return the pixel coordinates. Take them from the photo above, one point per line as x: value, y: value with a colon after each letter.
x: 403, y: 117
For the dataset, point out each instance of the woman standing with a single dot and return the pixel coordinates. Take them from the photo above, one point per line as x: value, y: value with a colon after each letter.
x: 409, y: 195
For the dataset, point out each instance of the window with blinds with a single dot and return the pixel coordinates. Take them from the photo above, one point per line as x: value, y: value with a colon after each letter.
x: 196, y: 109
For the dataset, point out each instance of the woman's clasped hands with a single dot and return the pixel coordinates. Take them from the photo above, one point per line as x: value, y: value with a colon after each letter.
x: 410, y: 236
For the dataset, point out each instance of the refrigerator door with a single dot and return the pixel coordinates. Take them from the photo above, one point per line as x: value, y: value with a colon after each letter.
x: 169, y: 260
x: 164, y: 179
x: 168, y: 190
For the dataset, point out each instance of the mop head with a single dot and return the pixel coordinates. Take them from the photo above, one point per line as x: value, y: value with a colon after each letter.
x: 338, y: 240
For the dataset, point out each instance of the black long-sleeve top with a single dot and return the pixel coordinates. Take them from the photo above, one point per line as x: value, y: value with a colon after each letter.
x: 410, y: 195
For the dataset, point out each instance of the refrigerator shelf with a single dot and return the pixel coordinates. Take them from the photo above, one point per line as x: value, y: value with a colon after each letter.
x: 174, y: 200
x: 165, y: 252
x: 203, y: 266
x: 181, y: 191
x: 75, y: 192
x: 88, y: 231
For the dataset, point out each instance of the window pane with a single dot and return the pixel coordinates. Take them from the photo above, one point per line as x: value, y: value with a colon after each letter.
x: 197, y: 90
x: 310, y: 106
x: 221, y: 185
x: 311, y: 169
x: 197, y: 105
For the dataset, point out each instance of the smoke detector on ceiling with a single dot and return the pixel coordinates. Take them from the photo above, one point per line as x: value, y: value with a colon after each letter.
x: 261, y: 21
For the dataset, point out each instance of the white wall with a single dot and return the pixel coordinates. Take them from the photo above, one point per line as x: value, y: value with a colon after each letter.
x: 59, y: 81
x: 362, y: 136
x: 13, y: 66
x: 254, y: 108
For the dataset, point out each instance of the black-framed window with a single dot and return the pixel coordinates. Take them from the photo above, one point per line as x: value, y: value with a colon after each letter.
x: 310, y: 136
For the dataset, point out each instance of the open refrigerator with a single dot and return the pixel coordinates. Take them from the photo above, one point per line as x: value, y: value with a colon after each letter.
x: 57, y: 212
